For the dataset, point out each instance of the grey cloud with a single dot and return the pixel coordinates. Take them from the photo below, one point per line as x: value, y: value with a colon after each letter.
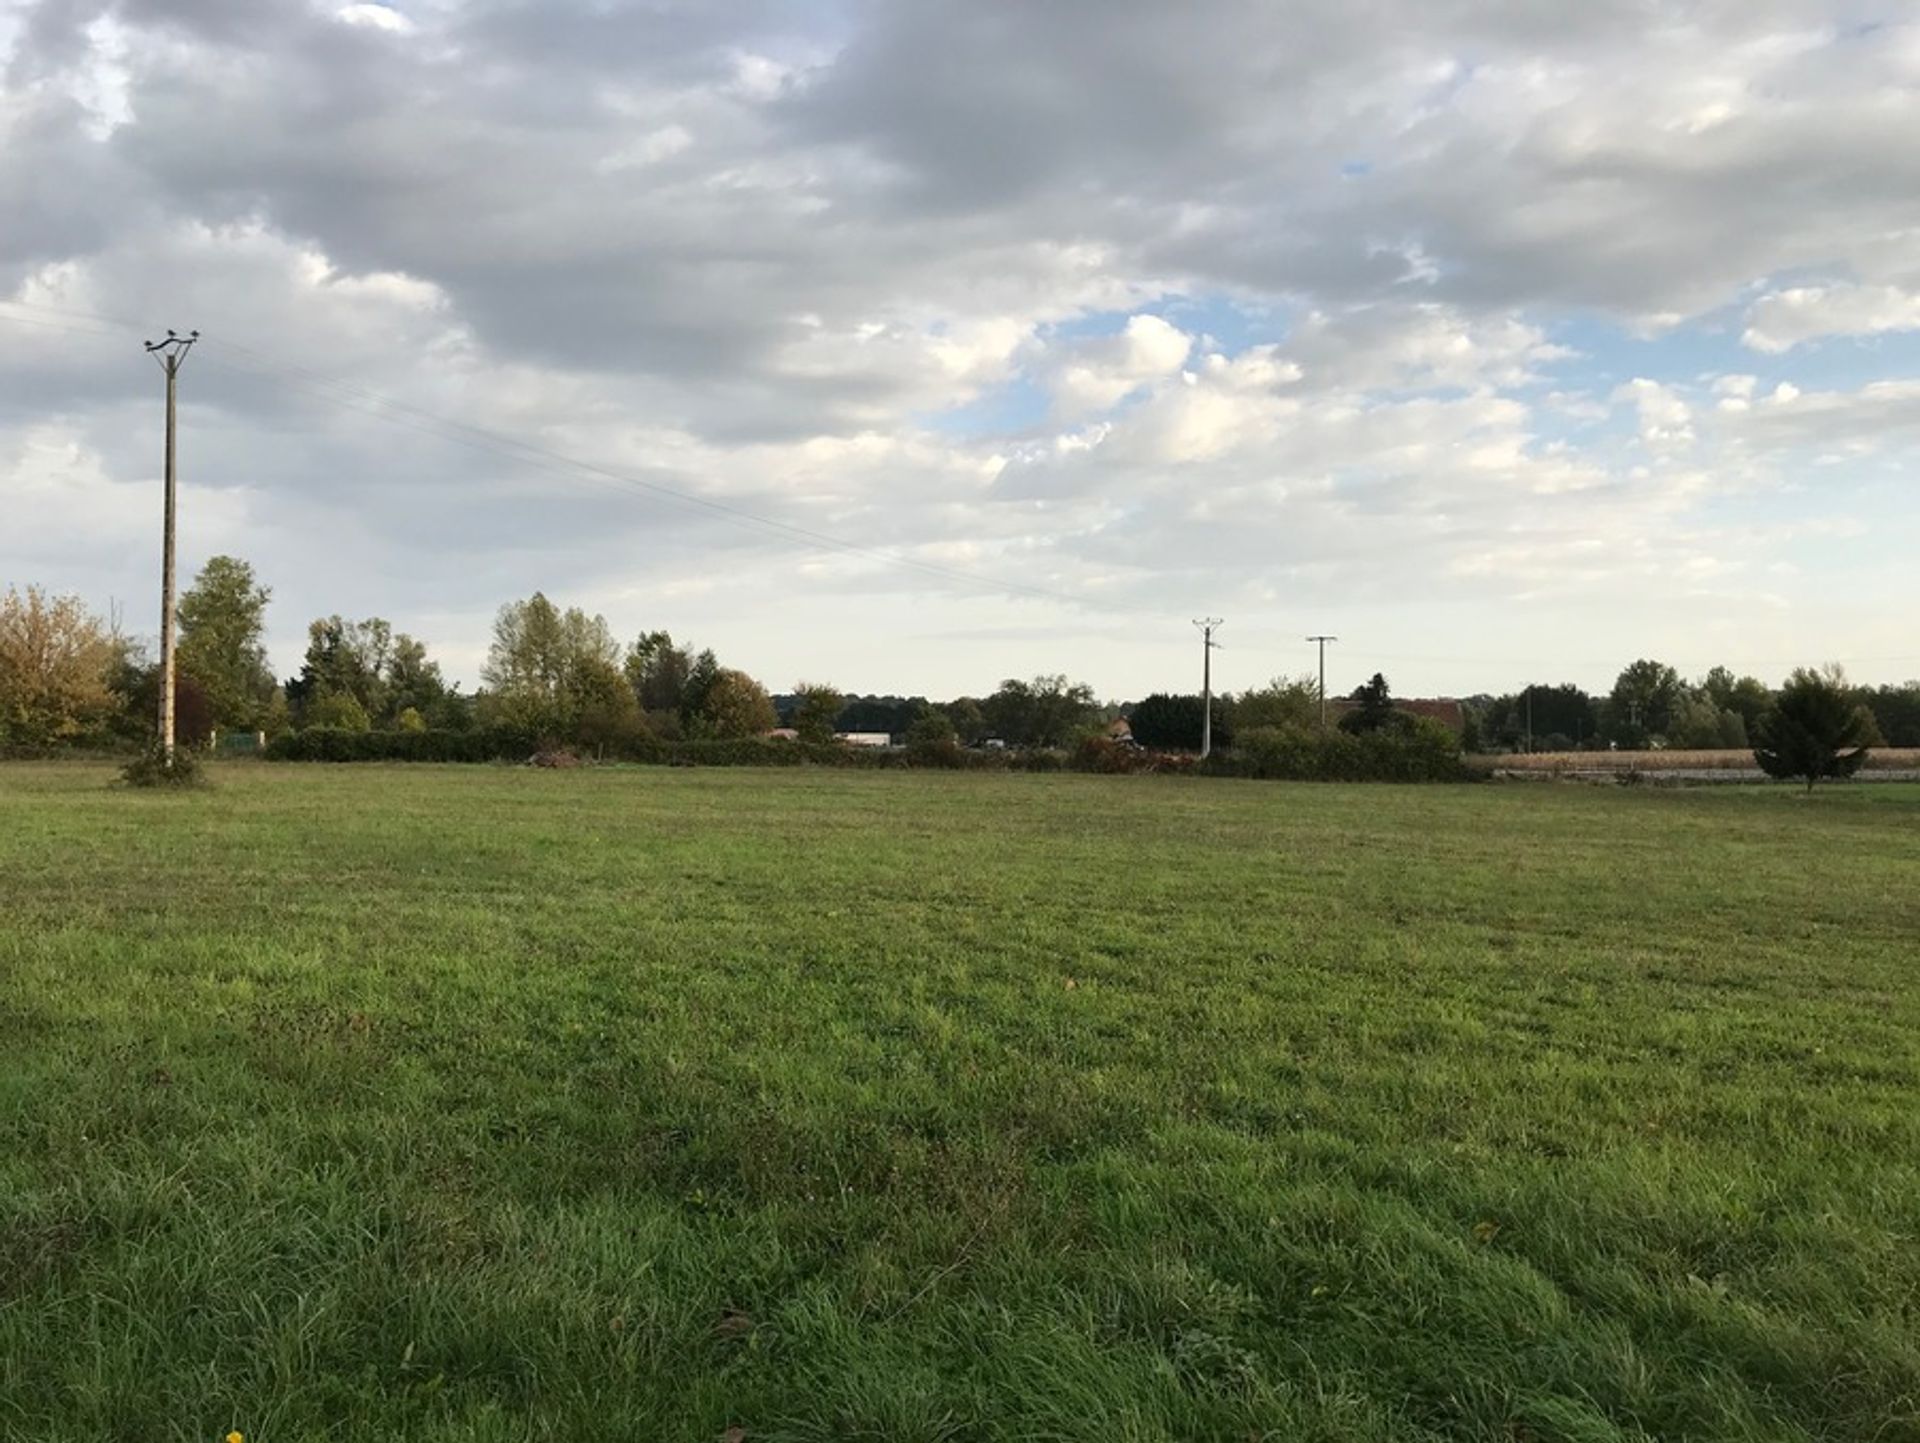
x: 585, y: 224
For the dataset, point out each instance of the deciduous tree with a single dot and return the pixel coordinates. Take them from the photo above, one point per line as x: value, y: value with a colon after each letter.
x: 1282, y: 702
x: 1173, y: 723
x: 816, y: 711
x: 546, y: 666
x: 735, y: 705
x: 223, y: 616
x: 55, y: 668
x: 1639, y: 710
x: 1045, y: 712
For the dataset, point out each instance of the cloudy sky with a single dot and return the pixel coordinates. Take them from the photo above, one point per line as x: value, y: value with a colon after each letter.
x: 910, y: 344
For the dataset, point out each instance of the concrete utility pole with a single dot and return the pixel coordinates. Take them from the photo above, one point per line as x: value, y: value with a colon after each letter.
x: 170, y: 353
x: 1207, y: 646
x: 1323, y: 640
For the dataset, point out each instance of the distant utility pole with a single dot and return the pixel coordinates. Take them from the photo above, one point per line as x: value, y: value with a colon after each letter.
x: 1323, y: 640
x: 1207, y: 645
x: 170, y: 353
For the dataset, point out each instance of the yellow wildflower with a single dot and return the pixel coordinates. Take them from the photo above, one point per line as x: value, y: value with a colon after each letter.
x: 236, y: 1436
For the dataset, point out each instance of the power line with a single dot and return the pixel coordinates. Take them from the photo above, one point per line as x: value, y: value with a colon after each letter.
x: 540, y: 457
x: 353, y: 397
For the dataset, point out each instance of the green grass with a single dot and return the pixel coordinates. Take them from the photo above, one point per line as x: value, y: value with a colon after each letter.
x: 489, y: 1104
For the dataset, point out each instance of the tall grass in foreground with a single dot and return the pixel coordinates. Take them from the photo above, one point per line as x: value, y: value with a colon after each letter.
x: 494, y: 1104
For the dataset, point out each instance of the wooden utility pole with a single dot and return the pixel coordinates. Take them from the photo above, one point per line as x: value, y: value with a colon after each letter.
x: 1323, y: 640
x: 1208, y: 644
x: 170, y: 353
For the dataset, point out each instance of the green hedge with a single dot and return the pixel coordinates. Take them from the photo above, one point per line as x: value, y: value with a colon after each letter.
x: 513, y: 744
x: 1425, y: 751
x: 335, y: 744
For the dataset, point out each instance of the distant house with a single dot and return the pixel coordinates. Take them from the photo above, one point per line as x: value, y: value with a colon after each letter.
x: 783, y: 734
x: 1120, y: 729
x: 1445, y: 710
x: 865, y: 739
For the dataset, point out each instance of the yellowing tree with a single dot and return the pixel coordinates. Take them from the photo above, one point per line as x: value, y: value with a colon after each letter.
x: 55, y: 660
x: 738, y: 706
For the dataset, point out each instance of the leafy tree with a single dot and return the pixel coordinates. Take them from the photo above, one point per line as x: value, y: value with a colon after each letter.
x: 1046, y: 712
x: 657, y: 670
x: 816, y: 710
x: 56, y: 666
x: 1639, y: 711
x: 932, y: 741
x: 1816, y: 729
x: 1896, y: 710
x: 278, y: 717
x: 1549, y: 714
x: 413, y: 679
x: 222, y: 618
x: 193, y: 716
x: 736, y: 705
x: 1697, y: 723
x: 932, y: 728
x: 1282, y: 702
x: 546, y: 666
x: 387, y: 672
x: 409, y: 720
x: 136, y: 692
x: 606, y: 714
x: 968, y: 720
x: 1748, y: 697
x: 702, y: 675
x: 340, y: 710
x: 344, y: 658
x: 890, y: 714
x: 1173, y: 723
x: 1373, y: 708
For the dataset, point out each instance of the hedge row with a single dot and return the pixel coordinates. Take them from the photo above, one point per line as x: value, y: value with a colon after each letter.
x: 1426, y: 752
x: 334, y: 744
x: 494, y: 744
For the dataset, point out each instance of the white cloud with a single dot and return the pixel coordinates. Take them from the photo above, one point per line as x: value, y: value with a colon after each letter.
x: 1781, y: 320
x: 375, y: 17
x: 1666, y: 420
x: 1099, y: 375
x: 819, y: 264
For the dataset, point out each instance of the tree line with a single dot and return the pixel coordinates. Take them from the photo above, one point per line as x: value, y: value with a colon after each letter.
x: 562, y: 675
x: 1652, y: 707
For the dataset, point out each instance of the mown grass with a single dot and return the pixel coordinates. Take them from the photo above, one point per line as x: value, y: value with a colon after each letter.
x: 491, y: 1104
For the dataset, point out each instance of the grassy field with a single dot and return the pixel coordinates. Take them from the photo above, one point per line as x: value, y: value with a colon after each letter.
x: 495, y: 1104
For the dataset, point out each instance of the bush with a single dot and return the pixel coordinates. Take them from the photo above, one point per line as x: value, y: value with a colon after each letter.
x: 1038, y: 759
x: 332, y: 744
x: 153, y: 768
x: 339, y: 711
x: 1422, y: 750
x: 1112, y: 757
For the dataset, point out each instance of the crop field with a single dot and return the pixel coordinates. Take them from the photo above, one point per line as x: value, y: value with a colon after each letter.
x: 1888, y: 759
x: 486, y: 1104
